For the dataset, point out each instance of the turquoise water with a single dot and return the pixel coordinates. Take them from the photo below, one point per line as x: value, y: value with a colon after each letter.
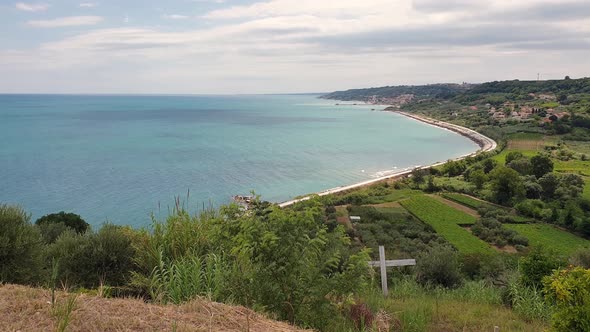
x: 119, y: 158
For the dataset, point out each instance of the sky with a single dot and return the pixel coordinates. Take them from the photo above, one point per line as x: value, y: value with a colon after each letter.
x: 284, y: 46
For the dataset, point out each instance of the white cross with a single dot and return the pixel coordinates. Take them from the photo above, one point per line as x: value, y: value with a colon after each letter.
x: 382, y: 263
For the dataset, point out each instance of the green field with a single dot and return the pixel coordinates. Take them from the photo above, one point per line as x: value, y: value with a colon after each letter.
x: 501, y: 157
x: 465, y: 200
x: 550, y: 237
x: 445, y: 220
x: 577, y: 167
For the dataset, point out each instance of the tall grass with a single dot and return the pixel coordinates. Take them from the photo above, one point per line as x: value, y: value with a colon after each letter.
x: 63, y: 312
x: 527, y: 301
x: 476, y: 305
x: 188, y: 277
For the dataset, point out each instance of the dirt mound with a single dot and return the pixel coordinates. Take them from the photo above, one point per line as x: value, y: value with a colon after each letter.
x: 29, y: 309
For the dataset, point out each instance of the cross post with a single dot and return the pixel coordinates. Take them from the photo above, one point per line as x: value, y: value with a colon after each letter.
x: 383, y: 264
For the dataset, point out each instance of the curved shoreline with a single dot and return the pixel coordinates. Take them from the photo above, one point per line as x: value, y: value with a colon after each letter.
x: 485, y: 143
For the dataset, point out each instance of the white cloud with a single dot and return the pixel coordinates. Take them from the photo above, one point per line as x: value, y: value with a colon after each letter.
x: 174, y: 17
x: 305, y: 45
x: 31, y: 7
x: 88, y: 5
x: 66, y: 21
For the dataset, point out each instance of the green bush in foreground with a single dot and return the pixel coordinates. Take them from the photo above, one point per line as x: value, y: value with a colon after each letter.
x: 91, y: 259
x: 536, y: 265
x: 21, y: 247
x: 439, y: 267
x: 569, y: 289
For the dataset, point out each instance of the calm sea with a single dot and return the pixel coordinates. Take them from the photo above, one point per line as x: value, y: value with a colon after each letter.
x: 119, y: 158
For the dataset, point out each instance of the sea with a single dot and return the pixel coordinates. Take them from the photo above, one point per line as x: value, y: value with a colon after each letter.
x: 123, y: 158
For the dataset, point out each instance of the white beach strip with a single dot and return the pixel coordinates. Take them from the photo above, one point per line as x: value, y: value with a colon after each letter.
x: 485, y: 144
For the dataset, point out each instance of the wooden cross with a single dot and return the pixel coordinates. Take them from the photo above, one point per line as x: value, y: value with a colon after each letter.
x: 382, y: 263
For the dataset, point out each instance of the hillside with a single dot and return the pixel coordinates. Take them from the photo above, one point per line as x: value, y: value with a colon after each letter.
x: 381, y: 94
x: 19, y: 304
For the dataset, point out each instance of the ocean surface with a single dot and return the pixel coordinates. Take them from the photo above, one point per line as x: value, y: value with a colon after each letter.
x: 120, y: 158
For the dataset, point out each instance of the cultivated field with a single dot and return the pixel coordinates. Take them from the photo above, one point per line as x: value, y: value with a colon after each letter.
x: 550, y: 237
x: 446, y: 221
x: 465, y: 200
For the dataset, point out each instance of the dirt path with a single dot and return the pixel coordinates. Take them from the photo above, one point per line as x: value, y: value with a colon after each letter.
x: 455, y: 205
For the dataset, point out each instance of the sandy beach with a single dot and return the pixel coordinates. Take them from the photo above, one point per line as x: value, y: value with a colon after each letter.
x: 485, y: 144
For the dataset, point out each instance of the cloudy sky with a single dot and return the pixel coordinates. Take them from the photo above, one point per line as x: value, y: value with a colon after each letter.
x: 273, y: 46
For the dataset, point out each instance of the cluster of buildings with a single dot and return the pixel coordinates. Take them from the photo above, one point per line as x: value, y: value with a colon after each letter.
x: 512, y: 111
x: 396, y: 102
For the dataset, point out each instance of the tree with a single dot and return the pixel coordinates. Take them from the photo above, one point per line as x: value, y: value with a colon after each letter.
x: 507, y: 185
x: 418, y: 175
x: 570, y: 187
x: 522, y: 165
x: 488, y: 165
x: 71, y: 220
x: 549, y: 182
x: 532, y: 187
x: 453, y: 168
x: 478, y: 178
x: 21, y: 247
x: 541, y: 165
x: 513, y: 155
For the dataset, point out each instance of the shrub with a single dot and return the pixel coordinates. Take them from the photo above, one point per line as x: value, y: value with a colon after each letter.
x: 50, y: 231
x: 533, y: 208
x: 21, y: 247
x: 536, y: 265
x: 513, y: 155
x: 87, y: 260
x: 581, y: 258
x: 482, y: 266
x: 439, y: 267
x: 71, y: 220
x: 570, y: 290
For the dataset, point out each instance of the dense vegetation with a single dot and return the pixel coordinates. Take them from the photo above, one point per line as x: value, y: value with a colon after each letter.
x: 433, y: 90
x: 499, y: 239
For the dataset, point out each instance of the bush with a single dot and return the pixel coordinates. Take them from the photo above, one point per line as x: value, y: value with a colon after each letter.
x: 91, y: 259
x: 439, y: 267
x: 50, y: 232
x: 533, y: 208
x: 71, y: 220
x: 581, y: 258
x: 492, y: 231
x: 482, y: 266
x: 21, y: 247
x: 570, y: 290
x: 536, y: 265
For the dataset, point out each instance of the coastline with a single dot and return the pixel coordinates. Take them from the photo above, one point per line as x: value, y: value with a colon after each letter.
x: 485, y: 144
